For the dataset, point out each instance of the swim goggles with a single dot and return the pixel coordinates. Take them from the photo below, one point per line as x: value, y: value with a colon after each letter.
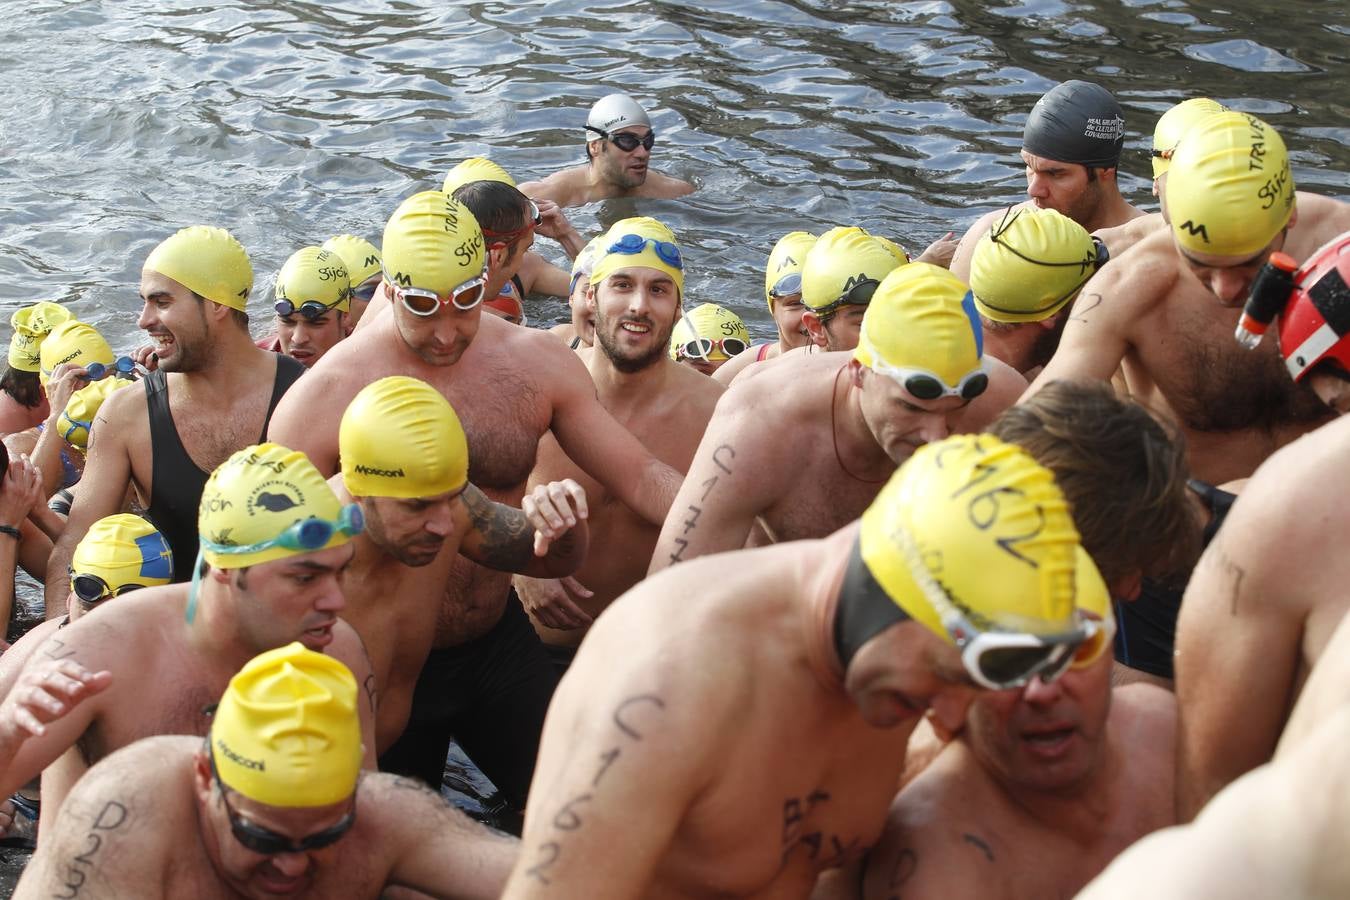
x: 626, y: 140
x: 123, y: 366
x: 927, y: 385
x: 789, y: 284
x: 1000, y: 660
x: 310, y: 309
x: 702, y: 348
x: 464, y: 297
x: 365, y: 292
x: 533, y: 221
x: 91, y: 589
x: 858, y: 295
x: 633, y: 244
x: 75, y: 425
x: 303, y: 536
x: 262, y: 840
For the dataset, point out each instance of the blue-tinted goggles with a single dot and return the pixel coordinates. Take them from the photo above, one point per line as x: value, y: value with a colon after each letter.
x: 789, y: 284
x: 122, y: 366
x: 304, y: 536
x: 633, y: 244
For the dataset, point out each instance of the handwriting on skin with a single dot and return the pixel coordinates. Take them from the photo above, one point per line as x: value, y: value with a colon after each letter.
x: 110, y: 818
x: 825, y: 851
x: 721, y: 458
x: 569, y: 817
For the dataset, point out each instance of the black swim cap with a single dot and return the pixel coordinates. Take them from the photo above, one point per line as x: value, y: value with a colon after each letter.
x: 1076, y: 122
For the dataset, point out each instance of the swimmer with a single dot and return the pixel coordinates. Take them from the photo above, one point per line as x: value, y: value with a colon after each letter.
x: 783, y: 293
x: 272, y: 803
x: 405, y: 463
x: 509, y: 386
x: 755, y: 705
x: 1165, y: 311
x: 362, y: 259
x: 839, y: 276
x: 20, y: 493
x: 579, y: 333
x: 619, y: 141
x: 1071, y: 147
x: 23, y: 404
x: 313, y: 298
x: 212, y: 393
x: 708, y: 337
x: 634, y: 299
x: 1026, y: 270
x: 1259, y: 613
x: 918, y: 374
x: 273, y: 542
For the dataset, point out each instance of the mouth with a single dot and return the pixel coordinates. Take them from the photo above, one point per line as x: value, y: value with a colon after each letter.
x: 321, y: 636
x: 635, y: 327
x: 276, y: 883
x: 162, y: 341
x: 1048, y: 743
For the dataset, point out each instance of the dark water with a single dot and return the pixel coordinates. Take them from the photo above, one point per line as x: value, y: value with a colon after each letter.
x: 292, y: 121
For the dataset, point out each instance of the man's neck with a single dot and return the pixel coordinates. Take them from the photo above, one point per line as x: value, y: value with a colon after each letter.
x: 1080, y: 811
x: 232, y: 356
x: 1113, y: 210
x: 213, y: 632
x: 625, y: 389
x: 859, y: 453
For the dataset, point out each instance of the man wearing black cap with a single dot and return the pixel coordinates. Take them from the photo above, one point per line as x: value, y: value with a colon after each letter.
x: 1071, y: 146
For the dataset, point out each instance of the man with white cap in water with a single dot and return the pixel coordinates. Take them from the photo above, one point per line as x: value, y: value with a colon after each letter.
x: 1071, y: 147
x: 619, y: 141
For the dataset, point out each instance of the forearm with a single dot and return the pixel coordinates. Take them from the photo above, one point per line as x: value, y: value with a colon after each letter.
x: 653, y: 494
x: 566, y: 554
x: 9, y: 555
x: 47, y: 457
x: 47, y: 521
x: 57, y: 586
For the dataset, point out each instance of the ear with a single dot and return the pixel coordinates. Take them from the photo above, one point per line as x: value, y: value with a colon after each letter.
x: 855, y: 373
x: 942, y: 732
x: 590, y: 297
x: 1128, y: 587
x: 497, y: 255
x: 814, y: 328
x: 1293, y: 215
x: 201, y: 775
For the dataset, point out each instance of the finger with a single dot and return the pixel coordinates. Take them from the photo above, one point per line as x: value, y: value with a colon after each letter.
x: 575, y: 616
x: 558, y: 493
x: 578, y: 495
x: 576, y: 587
x: 28, y: 722
x: 549, y: 520
x: 541, y: 543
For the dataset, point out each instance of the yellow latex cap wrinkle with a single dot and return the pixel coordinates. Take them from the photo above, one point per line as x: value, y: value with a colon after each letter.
x: 432, y: 242
x: 1030, y: 265
x: 74, y: 343
x: 207, y: 261
x: 1176, y: 122
x: 400, y: 438
x: 922, y: 317
x: 475, y: 168
x: 78, y: 416
x: 361, y: 257
x: 788, y: 256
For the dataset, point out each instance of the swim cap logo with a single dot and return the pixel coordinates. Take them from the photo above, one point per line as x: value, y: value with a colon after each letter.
x: 383, y: 473
x: 275, y: 497
x: 274, y: 502
x: 1274, y: 187
x: 1112, y: 129
x: 256, y: 765
x: 1192, y: 229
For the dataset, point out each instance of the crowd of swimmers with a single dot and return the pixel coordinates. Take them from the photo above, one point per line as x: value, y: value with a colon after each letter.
x: 1004, y: 570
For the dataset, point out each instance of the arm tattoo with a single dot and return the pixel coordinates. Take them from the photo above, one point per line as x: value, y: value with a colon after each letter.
x: 110, y: 818
x: 507, y: 538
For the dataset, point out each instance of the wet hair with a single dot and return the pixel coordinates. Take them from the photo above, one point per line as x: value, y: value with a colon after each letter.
x: 24, y: 387
x: 498, y: 207
x: 1123, y: 472
x: 238, y: 315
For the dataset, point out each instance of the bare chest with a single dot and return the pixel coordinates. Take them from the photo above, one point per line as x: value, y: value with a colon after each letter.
x: 821, y: 500
x: 503, y: 418
x: 164, y: 700
x: 211, y: 435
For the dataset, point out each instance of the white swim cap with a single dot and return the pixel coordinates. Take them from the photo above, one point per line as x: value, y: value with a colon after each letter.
x: 612, y: 112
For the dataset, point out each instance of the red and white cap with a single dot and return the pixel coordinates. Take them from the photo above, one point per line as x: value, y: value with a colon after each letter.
x: 1315, y: 323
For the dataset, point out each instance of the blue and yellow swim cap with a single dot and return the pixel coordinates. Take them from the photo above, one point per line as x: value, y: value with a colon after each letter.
x: 123, y: 550
x: 786, y: 261
x: 922, y: 317
x: 640, y: 242
x: 78, y: 416
x: 207, y: 261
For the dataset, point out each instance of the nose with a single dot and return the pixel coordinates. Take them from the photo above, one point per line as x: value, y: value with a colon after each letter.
x: 332, y: 599
x: 1229, y: 286
x: 1037, y: 186
x: 146, y: 318
x: 442, y: 520
x: 1039, y: 692
x: 290, y: 865
x: 933, y: 427
x: 950, y: 705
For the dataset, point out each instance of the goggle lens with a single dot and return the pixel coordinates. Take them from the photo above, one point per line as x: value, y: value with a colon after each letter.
x: 366, y: 292
x: 633, y: 244
x: 310, y: 309
x: 788, y: 285
x: 123, y: 365
x: 93, y: 589
x: 628, y: 142
x: 928, y: 387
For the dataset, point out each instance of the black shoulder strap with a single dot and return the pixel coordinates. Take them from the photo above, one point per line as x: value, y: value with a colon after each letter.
x: 288, y: 373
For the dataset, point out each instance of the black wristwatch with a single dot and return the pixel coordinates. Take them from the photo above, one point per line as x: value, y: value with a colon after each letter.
x: 10, y: 530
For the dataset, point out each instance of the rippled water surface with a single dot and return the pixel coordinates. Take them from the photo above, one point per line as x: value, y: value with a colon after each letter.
x: 288, y: 122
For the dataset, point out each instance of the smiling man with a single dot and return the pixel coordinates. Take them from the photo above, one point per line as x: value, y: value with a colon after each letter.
x: 619, y: 142
x: 1071, y: 148
x: 274, y: 803
x: 1164, y: 312
x: 213, y: 393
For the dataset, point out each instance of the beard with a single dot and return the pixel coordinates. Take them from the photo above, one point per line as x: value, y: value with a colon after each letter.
x: 624, y: 360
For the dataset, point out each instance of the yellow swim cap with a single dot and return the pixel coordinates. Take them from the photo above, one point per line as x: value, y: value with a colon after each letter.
x: 1030, y: 264
x: 286, y: 732
x: 476, y: 168
x: 78, y: 416
x: 361, y: 257
x: 254, y: 497
x: 841, y: 260
x: 1229, y: 190
x: 317, y: 275
x: 207, y: 261
x: 72, y: 342
x: 400, y: 438
x: 31, y: 325
x: 434, y: 243
x: 639, y: 242
x: 982, y: 521
x: 785, y: 261
x: 922, y: 317
x: 1176, y: 122
x: 1094, y: 599
x: 123, y: 550
x: 711, y: 323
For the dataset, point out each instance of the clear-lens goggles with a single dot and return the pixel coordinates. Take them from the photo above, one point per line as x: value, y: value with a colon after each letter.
x: 419, y: 302
x: 305, y: 535
x: 702, y: 348
x: 310, y: 309
x: 633, y: 244
x: 926, y: 385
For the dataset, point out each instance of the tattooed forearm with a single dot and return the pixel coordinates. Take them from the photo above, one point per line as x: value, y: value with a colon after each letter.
x: 506, y: 538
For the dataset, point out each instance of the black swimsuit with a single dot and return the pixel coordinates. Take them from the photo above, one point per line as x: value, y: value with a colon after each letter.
x: 176, y: 482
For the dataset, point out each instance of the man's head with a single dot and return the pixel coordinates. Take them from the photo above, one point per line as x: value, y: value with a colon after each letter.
x: 919, y: 359
x: 840, y: 274
x: 406, y: 460
x: 508, y: 218
x: 583, y: 320
x: 783, y: 287
x: 1167, y: 134
x: 1230, y: 195
x: 312, y: 299
x: 1071, y: 147
x: 619, y: 141
x: 118, y: 554
x: 195, y: 265
x: 1315, y: 323
x: 362, y: 259
x: 275, y: 538
x: 73, y: 343
x: 707, y: 336
x: 276, y: 782
x: 1025, y: 272
x: 82, y: 409
x: 637, y: 282
x: 31, y: 325
x: 971, y: 550
x: 436, y: 269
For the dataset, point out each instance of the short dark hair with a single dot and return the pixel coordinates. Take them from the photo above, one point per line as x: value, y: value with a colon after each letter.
x: 1122, y: 470
x: 24, y: 387
x: 497, y: 206
x: 238, y: 315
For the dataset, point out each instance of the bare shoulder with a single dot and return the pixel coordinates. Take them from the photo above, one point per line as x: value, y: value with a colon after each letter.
x: 1147, y: 717
x: 1132, y: 284
x: 126, y: 407
x: 1119, y: 238
x: 662, y: 186
x: 1297, y: 490
x: 560, y: 187
x: 696, y: 387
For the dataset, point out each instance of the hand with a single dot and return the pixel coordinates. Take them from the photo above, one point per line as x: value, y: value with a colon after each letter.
x: 45, y: 692
x: 553, y: 509
x: 65, y: 380
x: 549, y: 601
x: 20, y: 491
x: 554, y: 224
x: 145, y: 357
x: 941, y: 251
x: 8, y: 815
